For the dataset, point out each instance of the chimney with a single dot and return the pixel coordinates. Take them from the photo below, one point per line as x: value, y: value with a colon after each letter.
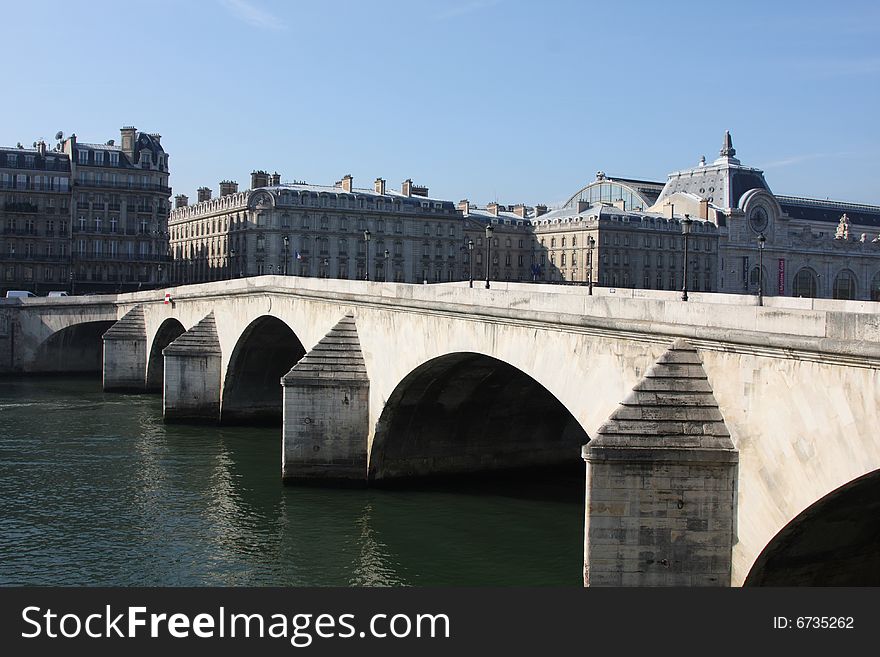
x: 181, y: 201
x: 275, y: 179
x: 205, y: 193
x: 346, y: 182
x: 41, y: 147
x: 258, y: 179
x: 128, y: 134
x: 704, y: 208
x: 464, y: 206
x: 540, y: 209
x: 228, y: 187
x: 582, y: 205
x: 519, y: 210
x: 406, y: 189
x: 419, y: 190
x: 157, y: 137
x: 493, y: 208
x: 379, y: 186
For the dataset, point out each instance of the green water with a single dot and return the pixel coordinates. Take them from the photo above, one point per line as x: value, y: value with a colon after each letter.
x: 96, y: 490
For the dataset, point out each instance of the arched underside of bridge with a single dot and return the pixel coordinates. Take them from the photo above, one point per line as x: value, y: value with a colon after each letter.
x: 265, y: 352
x: 168, y: 332
x: 834, y: 542
x: 76, y: 349
x: 466, y: 413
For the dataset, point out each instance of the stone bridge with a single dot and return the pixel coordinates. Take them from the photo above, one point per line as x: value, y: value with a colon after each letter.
x: 726, y: 443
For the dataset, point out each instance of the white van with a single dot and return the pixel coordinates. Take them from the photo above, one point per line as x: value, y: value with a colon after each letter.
x: 19, y: 294
x: 57, y: 293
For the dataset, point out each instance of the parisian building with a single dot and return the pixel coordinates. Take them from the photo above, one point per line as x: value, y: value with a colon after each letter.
x: 744, y: 237
x: 84, y: 217
x: 719, y: 222
x: 327, y: 231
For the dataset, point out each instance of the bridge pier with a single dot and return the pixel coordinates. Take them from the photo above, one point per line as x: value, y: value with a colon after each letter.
x: 191, y: 388
x: 125, y: 353
x: 326, y: 412
x: 661, y: 484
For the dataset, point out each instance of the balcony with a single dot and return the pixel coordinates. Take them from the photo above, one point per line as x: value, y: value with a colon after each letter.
x: 134, y: 186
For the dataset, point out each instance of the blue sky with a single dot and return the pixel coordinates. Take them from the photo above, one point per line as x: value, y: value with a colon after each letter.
x: 480, y: 99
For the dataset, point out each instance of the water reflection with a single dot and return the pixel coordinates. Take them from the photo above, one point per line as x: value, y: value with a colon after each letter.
x: 96, y: 490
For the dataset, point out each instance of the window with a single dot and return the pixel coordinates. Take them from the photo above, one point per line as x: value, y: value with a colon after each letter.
x: 114, y: 159
x: 82, y: 156
x: 99, y: 158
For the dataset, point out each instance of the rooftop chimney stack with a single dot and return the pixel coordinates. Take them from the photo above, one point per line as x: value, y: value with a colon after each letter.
x: 406, y: 188
x: 347, y: 182
x: 228, y: 187
x: 464, y: 206
x: 181, y: 201
x: 379, y: 186
x: 258, y: 179
x: 275, y: 179
x: 205, y: 193
x: 129, y: 135
x: 493, y: 209
x: 540, y: 209
x: 519, y: 210
x: 582, y: 205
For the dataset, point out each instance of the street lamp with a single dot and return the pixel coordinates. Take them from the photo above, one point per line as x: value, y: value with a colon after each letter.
x: 159, y: 276
x: 761, y: 240
x: 591, y: 244
x: 489, y: 230
x: 286, y: 252
x: 387, y: 253
x: 685, y: 230
x: 367, y: 267
x: 470, y: 246
x: 231, y: 263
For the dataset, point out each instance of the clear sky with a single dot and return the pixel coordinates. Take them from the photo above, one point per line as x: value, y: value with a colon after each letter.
x: 501, y: 100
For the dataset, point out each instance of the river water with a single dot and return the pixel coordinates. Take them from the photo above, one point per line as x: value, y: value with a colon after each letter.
x: 96, y: 490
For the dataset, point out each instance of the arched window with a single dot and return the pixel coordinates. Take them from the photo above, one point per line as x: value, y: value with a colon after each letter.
x: 875, y: 287
x: 845, y: 285
x: 806, y: 283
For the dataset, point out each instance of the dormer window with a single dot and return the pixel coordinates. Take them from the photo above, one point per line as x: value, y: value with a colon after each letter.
x: 114, y: 159
x: 99, y: 158
x: 82, y: 156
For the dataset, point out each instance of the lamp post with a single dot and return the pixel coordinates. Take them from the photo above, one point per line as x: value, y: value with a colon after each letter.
x: 685, y: 230
x: 387, y: 253
x: 591, y: 244
x: 231, y: 263
x: 159, y: 275
x: 286, y: 252
x: 367, y: 266
x: 489, y: 230
x: 761, y: 240
x: 470, y: 246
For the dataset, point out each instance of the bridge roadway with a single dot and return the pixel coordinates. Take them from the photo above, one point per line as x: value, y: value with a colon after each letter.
x: 755, y: 433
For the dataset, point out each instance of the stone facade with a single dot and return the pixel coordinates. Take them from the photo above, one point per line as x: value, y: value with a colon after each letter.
x: 85, y: 217
x: 316, y: 231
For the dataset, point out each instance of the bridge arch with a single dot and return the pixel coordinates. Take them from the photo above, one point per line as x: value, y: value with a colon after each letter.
x: 833, y: 542
x: 168, y: 332
x: 77, y: 348
x: 466, y: 412
x: 264, y: 352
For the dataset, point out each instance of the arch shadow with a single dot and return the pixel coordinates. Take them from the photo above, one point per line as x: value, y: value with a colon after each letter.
x: 467, y: 413
x: 252, y: 393
x: 76, y: 349
x: 833, y: 542
x: 168, y: 332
